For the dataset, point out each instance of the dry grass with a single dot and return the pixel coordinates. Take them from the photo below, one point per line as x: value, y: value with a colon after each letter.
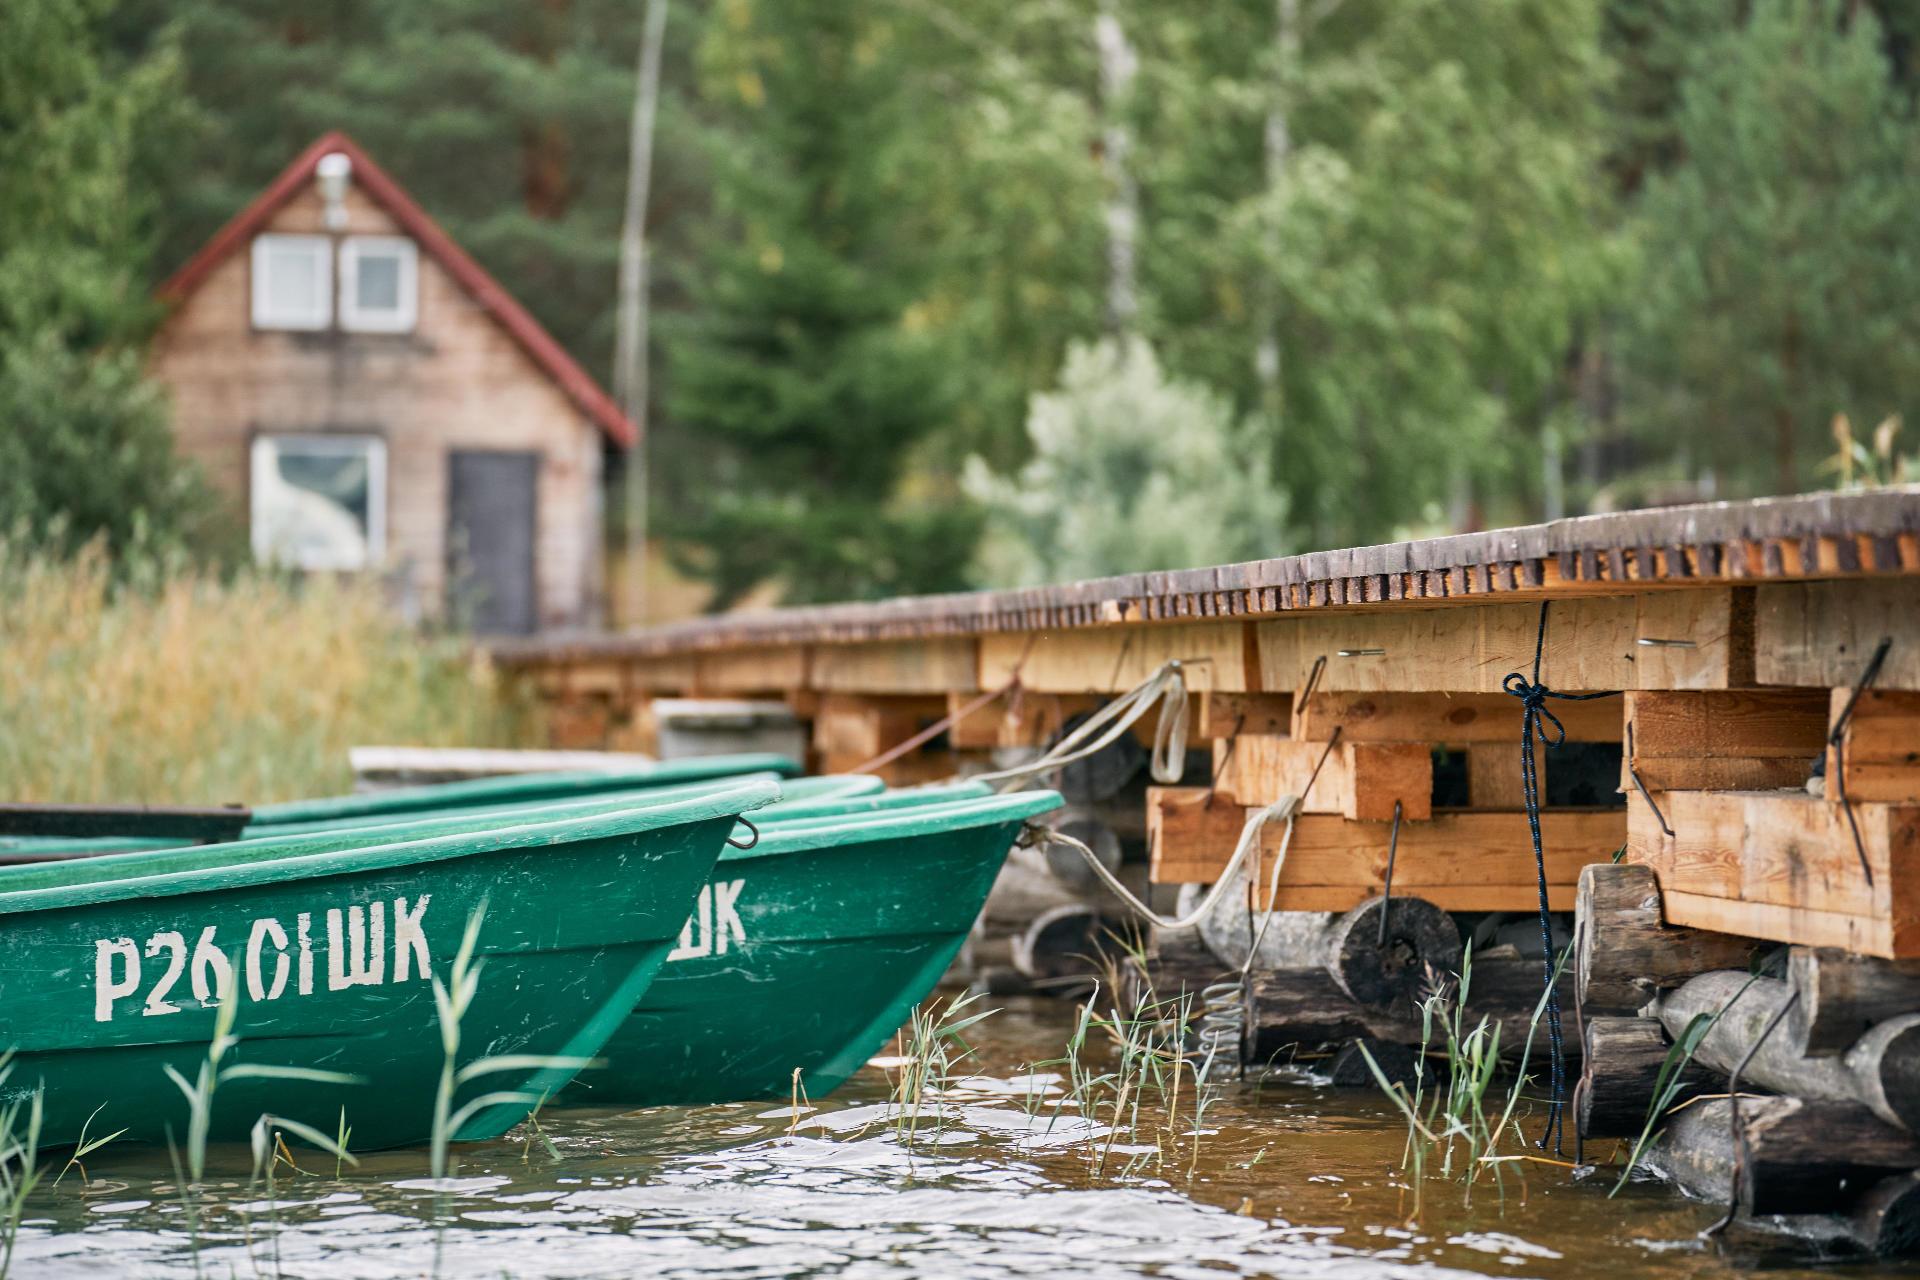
x: 174, y: 685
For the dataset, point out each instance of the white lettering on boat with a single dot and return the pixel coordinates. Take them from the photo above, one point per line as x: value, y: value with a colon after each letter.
x: 354, y: 964
x: 207, y: 958
x: 175, y: 946
x: 264, y: 928
x: 715, y: 922
x: 105, y: 989
x: 356, y: 947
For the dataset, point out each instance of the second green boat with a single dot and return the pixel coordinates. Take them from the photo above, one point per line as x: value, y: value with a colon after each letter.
x: 808, y: 950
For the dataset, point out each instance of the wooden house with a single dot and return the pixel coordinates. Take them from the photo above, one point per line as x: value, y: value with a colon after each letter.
x: 376, y: 402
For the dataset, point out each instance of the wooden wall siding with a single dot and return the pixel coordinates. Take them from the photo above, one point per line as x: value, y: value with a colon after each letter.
x: 1115, y: 659
x: 936, y: 666
x: 457, y: 382
x: 1823, y: 633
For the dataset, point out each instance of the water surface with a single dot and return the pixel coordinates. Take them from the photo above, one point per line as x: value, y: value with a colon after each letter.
x: 1291, y: 1179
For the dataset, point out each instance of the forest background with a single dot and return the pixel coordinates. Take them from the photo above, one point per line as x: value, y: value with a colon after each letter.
x: 956, y: 292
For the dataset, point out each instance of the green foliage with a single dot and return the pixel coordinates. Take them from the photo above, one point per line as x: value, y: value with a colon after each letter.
x: 1130, y: 471
x: 1421, y: 249
x: 802, y: 381
x: 85, y: 451
x: 1780, y: 257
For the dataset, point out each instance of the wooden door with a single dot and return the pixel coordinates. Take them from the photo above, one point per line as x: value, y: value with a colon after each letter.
x: 491, y: 510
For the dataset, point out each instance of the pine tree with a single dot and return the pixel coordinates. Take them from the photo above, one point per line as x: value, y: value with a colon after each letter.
x: 85, y: 451
x: 1131, y: 471
x: 1779, y: 258
x: 802, y: 381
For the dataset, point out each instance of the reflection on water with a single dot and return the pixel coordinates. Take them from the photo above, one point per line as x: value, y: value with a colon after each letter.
x: 1293, y: 1180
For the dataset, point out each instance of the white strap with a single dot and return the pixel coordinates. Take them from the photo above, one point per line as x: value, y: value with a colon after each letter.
x: 1167, y: 686
x: 1230, y: 878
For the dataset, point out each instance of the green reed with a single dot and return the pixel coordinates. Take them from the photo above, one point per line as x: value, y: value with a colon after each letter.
x: 452, y: 999
x: 1671, y: 1077
x: 932, y: 1044
x: 1136, y: 1092
x: 1462, y: 1126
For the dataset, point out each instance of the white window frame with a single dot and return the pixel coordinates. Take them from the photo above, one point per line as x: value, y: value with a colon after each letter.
x: 401, y: 320
x: 264, y: 314
x: 263, y: 458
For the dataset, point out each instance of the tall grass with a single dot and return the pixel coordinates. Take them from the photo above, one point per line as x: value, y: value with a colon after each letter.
x: 163, y: 683
x: 1458, y: 1131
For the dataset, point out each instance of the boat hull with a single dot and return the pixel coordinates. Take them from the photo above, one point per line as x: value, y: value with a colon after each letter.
x: 328, y: 957
x: 808, y: 959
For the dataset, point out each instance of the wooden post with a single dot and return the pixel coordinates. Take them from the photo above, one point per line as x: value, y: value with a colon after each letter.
x: 1420, y: 939
x: 1624, y: 954
x: 1617, y: 1078
x: 1801, y: 1156
x: 1881, y: 1071
x: 1842, y: 995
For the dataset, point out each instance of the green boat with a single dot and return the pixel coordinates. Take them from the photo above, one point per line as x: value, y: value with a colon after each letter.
x: 808, y: 950
x: 457, y: 799
x: 117, y: 972
x: 517, y: 788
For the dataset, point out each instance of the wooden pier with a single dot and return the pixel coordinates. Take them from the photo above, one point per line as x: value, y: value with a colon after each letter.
x: 1753, y: 791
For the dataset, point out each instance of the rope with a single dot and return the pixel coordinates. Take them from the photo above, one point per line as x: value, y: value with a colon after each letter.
x: 1166, y: 686
x: 1283, y: 809
x: 1533, y: 695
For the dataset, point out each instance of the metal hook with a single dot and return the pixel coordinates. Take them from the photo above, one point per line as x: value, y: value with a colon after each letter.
x: 742, y: 820
x: 1386, y: 894
x: 1640, y: 786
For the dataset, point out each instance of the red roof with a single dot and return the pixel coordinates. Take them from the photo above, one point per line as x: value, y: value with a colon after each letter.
x: 485, y: 290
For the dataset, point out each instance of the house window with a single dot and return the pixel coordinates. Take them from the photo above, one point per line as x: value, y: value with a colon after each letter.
x: 292, y: 282
x: 379, y: 284
x: 319, y: 502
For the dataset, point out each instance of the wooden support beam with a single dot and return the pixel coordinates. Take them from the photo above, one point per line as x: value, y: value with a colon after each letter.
x: 849, y: 730
x: 1699, y: 639
x: 1191, y: 833
x: 1881, y: 746
x: 1624, y: 952
x: 1731, y: 723
x: 1731, y: 740
x: 677, y: 673
x: 1018, y: 719
x: 935, y: 665
x: 1360, y: 780
x: 772, y: 669
x: 1800, y: 1156
x: 1619, y: 1072
x: 1822, y: 633
x: 1451, y: 649
x: 1494, y: 778
x: 1115, y: 659
x: 1881, y: 1071
x: 1443, y: 719
x: 1298, y: 1008
x: 1226, y: 715
x: 1461, y: 860
x: 1782, y: 866
x: 1843, y: 995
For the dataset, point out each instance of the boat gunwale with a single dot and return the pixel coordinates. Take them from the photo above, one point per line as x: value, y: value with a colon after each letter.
x: 640, y: 819
x: 807, y: 835
x: 663, y: 773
